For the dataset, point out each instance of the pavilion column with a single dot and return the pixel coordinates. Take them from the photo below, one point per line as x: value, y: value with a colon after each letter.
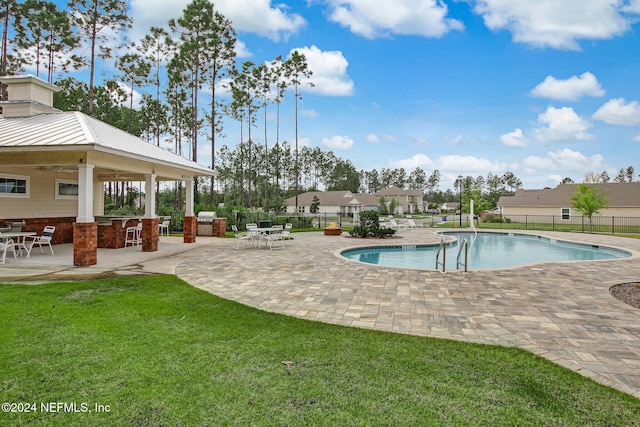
x: 85, y: 229
x: 190, y: 223
x: 150, y: 220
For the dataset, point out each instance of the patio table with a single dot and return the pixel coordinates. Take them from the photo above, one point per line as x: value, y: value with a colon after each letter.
x: 20, y: 240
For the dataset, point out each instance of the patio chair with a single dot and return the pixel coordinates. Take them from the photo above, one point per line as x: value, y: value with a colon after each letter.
x: 133, y: 235
x: 240, y: 236
x: 163, y: 227
x: 254, y: 233
x: 273, y: 237
x: 43, y: 239
x: 16, y: 226
x: 5, y: 246
x: 412, y: 223
x: 286, y: 233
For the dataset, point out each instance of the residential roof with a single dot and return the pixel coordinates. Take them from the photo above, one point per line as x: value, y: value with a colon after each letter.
x: 624, y: 194
x: 334, y: 198
x: 76, y: 130
x: 397, y: 191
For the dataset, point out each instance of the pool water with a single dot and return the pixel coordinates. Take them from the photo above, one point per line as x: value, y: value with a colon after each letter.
x: 486, y: 251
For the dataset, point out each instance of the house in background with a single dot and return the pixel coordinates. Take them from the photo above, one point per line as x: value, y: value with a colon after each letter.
x: 407, y: 201
x: 332, y: 202
x: 624, y: 201
x: 53, y: 166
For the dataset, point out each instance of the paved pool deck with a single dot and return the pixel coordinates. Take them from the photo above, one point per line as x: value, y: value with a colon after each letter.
x: 560, y: 311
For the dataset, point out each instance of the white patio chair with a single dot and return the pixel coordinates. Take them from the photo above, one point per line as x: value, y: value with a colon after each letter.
x: 133, y: 235
x: 6, y: 246
x: 163, y: 227
x: 412, y: 223
x: 44, y: 239
x: 254, y: 233
x: 240, y: 236
x: 286, y: 233
x: 273, y: 237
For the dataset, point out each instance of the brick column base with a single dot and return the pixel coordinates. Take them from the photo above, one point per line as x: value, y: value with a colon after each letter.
x: 220, y: 227
x: 85, y: 243
x: 149, y: 234
x: 190, y: 229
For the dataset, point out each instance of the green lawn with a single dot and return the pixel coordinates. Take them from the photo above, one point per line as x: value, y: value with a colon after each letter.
x: 159, y: 352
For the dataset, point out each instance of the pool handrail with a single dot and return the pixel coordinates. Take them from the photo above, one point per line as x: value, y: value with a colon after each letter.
x: 464, y: 244
x: 442, y: 248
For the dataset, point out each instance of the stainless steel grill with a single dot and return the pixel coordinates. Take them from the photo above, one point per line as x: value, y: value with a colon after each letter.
x: 205, y: 223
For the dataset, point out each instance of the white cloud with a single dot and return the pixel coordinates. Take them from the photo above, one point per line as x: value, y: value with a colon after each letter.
x: 556, y: 24
x: 562, y: 125
x: 417, y: 160
x: 618, y: 112
x: 515, y: 139
x: 567, y: 161
x: 338, y: 142
x: 255, y: 16
x: 570, y: 89
x: 309, y: 113
x: 373, y: 138
x: 329, y: 72
x: 467, y: 164
x: 383, y: 18
x: 241, y: 50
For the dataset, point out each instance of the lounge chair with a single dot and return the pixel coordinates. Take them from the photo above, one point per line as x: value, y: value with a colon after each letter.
x: 412, y: 223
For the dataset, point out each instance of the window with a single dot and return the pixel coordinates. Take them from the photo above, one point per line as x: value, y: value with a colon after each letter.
x: 14, y: 186
x: 66, y: 189
x: 300, y: 209
x: 566, y: 213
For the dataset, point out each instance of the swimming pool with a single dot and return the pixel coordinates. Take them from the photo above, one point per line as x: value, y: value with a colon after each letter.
x: 486, y: 251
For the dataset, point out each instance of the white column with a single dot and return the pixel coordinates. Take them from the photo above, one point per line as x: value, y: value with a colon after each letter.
x: 85, y: 193
x: 188, y: 209
x: 150, y: 196
x: 98, y: 202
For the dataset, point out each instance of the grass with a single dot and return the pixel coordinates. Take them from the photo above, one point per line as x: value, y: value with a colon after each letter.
x: 160, y: 352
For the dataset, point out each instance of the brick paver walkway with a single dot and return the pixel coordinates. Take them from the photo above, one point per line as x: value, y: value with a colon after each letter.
x: 561, y: 311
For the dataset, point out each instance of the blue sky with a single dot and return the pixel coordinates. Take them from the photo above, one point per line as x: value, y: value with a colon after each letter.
x: 546, y: 89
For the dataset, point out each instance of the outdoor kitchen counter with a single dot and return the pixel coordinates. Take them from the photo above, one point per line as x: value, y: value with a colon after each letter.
x: 112, y: 230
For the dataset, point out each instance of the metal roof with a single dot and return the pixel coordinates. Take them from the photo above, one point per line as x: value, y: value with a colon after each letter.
x: 74, y: 129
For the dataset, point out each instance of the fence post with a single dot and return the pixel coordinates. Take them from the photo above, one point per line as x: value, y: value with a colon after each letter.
x: 613, y: 225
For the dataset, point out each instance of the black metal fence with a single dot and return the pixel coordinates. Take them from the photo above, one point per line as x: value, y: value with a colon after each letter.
x: 618, y: 225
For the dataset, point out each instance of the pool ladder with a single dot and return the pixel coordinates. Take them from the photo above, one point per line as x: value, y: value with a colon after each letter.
x: 463, y: 245
x: 442, y: 248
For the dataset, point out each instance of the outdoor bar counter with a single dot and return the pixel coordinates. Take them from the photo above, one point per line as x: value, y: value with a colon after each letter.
x: 112, y: 230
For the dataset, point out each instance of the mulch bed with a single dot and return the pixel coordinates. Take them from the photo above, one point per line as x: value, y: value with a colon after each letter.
x: 628, y: 293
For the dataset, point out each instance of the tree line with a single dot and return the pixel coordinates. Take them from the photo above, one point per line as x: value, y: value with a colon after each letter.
x: 189, y: 80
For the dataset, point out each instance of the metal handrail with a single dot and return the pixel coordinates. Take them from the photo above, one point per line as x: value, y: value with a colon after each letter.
x: 442, y: 248
x: 464, y: 244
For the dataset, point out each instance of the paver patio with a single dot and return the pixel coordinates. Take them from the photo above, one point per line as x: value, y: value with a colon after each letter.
x: 561, y: 311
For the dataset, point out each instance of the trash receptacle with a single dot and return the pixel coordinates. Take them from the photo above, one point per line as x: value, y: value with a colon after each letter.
x: 264, y: 224
x: 444, y: 218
